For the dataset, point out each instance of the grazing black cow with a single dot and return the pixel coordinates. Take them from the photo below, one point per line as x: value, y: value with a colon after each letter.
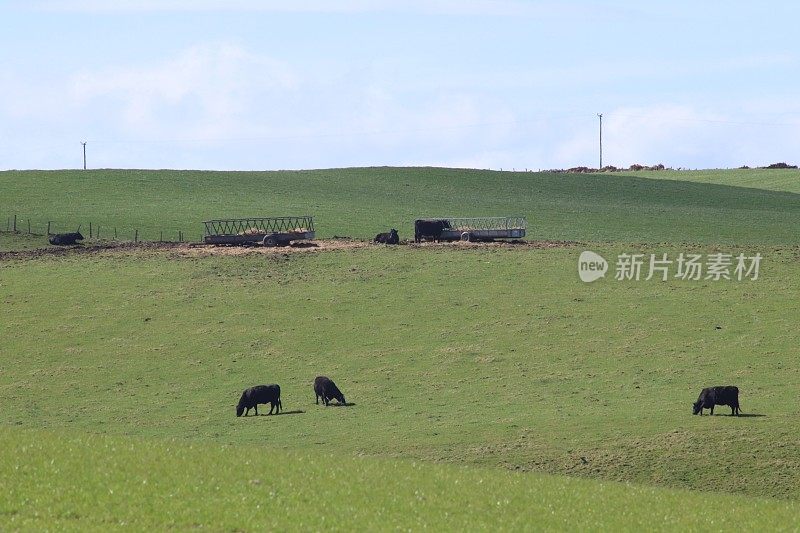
x: 65, y: 239
x: 388, y: 238
x: 430, y: 229
x: 253, y: 396
x: 326, y: 389
x: 711, y: 396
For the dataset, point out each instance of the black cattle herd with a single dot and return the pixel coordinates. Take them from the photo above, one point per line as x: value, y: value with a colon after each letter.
x: 423, y: 230
x: 326, y: 389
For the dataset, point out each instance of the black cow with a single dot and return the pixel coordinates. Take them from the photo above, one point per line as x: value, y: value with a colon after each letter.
x: 326, y: 389
x: 711, y: 396
x: 430, y: 229
x: 253, y: 396
x: 388, y: 238
x: 65, y: 239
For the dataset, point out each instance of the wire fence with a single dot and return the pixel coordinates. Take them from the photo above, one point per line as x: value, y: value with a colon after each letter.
x: 38, y: 226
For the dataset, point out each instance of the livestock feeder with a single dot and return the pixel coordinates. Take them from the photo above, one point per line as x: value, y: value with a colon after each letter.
x: 469, y: 229
x: 267, y: 231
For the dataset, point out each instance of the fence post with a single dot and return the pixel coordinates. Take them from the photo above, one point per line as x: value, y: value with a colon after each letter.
x: 115, y: 234
x: 90, y: 230
x: 48, y: 227
x: 15, y: 223
x: 136, y: 236
x: 161, y: 236
x: 29, y: 226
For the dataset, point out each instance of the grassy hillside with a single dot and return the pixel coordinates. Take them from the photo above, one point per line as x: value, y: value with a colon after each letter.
x: 361, y: 202
x: 483, y: 356
x: 53, y: 481
x: 787, y: 180
x: 475, y: 371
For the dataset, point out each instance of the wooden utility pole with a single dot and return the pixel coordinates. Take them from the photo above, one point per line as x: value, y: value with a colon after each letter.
x: 601, y: 139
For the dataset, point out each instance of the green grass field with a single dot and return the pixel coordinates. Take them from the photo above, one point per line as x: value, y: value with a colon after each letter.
x: 710, y: 208
x: 465, y: 364
x: 787, y: 180
x: 108, y: 483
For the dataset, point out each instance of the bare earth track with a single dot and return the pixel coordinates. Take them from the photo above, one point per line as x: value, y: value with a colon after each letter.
x: 190, y: 250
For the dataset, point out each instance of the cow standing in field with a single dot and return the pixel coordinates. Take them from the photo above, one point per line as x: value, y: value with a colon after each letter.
x: 711, y: 396
x: 388, y: 238
x: 65, y: 239
x: 325, y: 388
x: 429, y: 229
x: 253, y: 396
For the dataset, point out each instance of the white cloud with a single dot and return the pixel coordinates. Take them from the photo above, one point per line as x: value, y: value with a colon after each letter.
x: 680, y: 136
x: 260, y: 112
x: 648, y: 135
x: 205, y: 91
x: 250, y: 108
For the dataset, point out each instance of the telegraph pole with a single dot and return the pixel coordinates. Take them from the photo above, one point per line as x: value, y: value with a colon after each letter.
x: 600, y: 115
x: 84, y: 154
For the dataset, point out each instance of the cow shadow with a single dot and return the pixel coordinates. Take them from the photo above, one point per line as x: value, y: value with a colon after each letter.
x: 347, y: 404
x: 741, y: 415
x: 304, y: 245
x: 295, y: 412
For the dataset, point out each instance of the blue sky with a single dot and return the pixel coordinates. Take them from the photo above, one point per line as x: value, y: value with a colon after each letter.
x: 246, y: 85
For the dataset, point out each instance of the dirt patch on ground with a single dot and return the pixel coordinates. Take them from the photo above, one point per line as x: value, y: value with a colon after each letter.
x: 206, y: 250
x: 498, y: 244
x: 64, y: 251
x: 190, y: 250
